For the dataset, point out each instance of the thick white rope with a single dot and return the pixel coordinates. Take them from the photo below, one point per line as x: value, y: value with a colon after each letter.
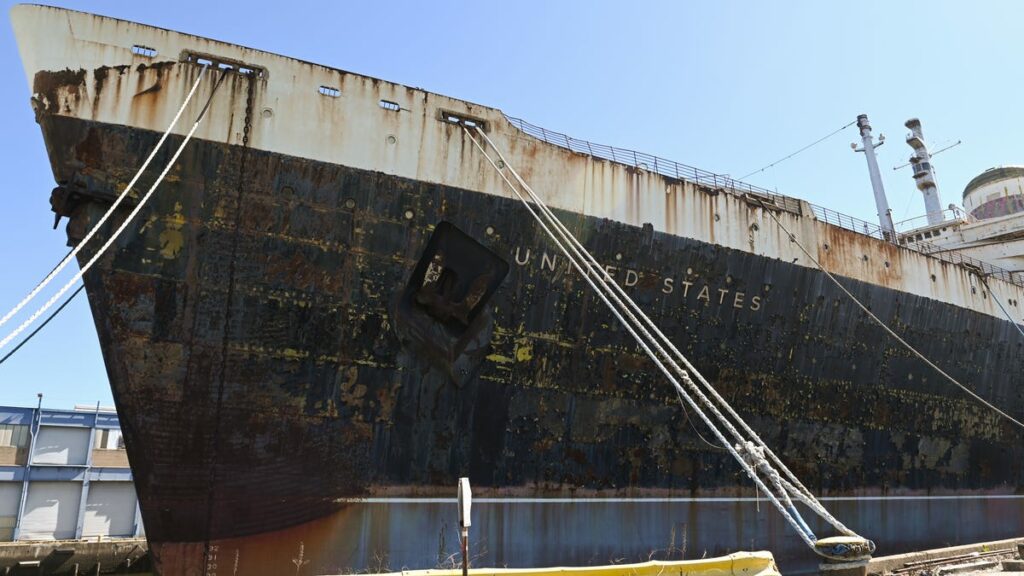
x: 807, y: 495
x: 106, y: 245
x: 645, y: 343
x: 619, y: 295
x: 124, y: 194
x: 905, y: 344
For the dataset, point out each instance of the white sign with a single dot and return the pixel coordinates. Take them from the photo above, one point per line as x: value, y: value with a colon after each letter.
x: 465, y: 501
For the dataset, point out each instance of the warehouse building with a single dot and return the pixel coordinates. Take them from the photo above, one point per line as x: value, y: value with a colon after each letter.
x: 64, y: 475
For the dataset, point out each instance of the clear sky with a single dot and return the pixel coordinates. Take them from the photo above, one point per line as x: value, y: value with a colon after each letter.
x: 724, y: 86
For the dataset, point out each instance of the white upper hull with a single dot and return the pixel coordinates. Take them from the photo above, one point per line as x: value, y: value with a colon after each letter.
x: 352, y: 128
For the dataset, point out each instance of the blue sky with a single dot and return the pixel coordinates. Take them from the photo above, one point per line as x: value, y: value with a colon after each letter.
x: 724, y: 86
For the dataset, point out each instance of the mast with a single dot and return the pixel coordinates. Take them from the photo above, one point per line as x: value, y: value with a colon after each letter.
x: 923, y: 174
x: 868, y: 148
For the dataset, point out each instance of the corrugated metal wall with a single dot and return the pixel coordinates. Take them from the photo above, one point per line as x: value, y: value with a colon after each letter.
x: 76, y: 454
x: 60, y: 445
x: 51, y: 511
x: 109, y: 510
x: 10, y: 495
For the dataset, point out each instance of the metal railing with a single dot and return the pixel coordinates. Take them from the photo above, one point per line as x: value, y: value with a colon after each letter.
x: 981, y: 267
x: 922, y: 221
x: 848, y: 222
x: 724, y: 183
x: 655, y: 164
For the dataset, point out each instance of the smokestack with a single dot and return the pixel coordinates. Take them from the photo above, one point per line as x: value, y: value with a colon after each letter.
x: 924, y: 176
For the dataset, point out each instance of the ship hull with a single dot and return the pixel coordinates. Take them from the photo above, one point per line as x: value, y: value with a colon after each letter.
x: 386, y: 535
x: 270, y: 361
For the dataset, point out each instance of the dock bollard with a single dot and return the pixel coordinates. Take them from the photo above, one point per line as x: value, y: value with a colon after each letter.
x: 465, y: 502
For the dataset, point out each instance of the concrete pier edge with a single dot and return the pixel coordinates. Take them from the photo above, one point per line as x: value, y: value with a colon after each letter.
x: 887, y: 564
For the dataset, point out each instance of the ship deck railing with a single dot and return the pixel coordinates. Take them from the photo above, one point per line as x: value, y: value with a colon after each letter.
x: 650, y: 163
x: 949, y: 215
x: 982, y: 268
x: 725, y: 183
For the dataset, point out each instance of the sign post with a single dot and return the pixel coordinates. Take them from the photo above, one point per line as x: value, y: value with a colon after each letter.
x: 465, y: 502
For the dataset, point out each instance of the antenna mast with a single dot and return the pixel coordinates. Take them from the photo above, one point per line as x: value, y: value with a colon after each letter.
x: 868, y: 148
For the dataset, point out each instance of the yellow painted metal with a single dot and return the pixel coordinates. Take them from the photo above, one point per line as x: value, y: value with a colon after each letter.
x: 737, y: 564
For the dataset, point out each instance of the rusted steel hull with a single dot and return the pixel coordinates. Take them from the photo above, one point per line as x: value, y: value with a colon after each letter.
x: 332, y: 297
x: 391, y: 534
x: 269, y: 356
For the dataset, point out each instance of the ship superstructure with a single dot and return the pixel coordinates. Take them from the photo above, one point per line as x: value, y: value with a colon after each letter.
x: 989, y: 229
x: 333, y: 297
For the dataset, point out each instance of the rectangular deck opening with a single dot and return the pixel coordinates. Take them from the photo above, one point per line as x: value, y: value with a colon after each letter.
x: 462, y: 119
x: 224, y: 64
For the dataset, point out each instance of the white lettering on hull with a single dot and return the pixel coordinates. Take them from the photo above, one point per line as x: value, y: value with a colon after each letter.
x: 703, y: 293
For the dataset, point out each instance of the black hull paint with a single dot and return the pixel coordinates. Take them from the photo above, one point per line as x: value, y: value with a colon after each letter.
x: 265, y: 364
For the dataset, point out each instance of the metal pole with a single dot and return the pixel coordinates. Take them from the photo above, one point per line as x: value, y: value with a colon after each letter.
x: 33, y: 431
x: 465, y: 552
x: 881, y: 202
x: 84, y: 496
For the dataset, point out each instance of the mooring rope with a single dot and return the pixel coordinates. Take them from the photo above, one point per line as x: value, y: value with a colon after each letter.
x: 752, y: 458
x: 806, y: 495
x: 904, y: 343
x: 43, y: 325
x: 124, y: 194
x: 1000, y: 304
x: 120, y: 229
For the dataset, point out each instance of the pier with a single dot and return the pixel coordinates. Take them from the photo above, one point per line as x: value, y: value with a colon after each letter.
x: 1000, y: 556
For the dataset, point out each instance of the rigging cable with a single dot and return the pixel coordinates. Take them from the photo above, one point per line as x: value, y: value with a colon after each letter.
x: 124, y: 224
x: 753, y: 457
x: 682, y: 404
x: 792, y: 238
x: 110, y: 211
x: 812, y: 144
x: 1001, y: 307
x: 43, y: 325
x: 802, y: 492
